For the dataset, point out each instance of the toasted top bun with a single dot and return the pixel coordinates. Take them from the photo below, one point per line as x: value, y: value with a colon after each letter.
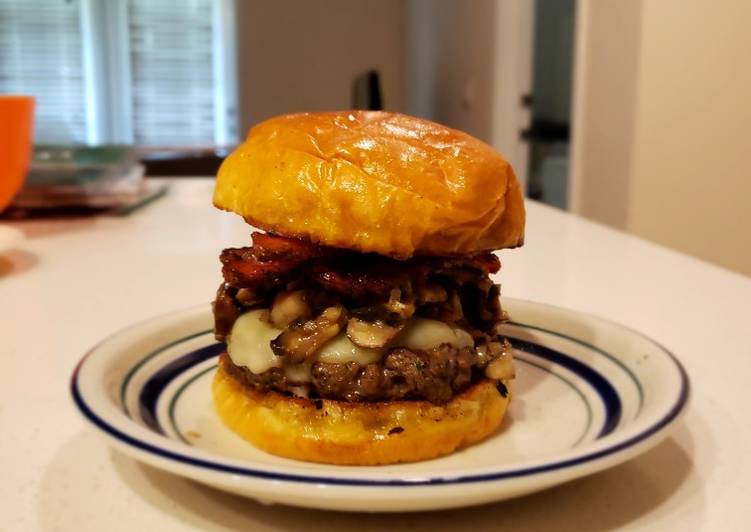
x: 373, y: 182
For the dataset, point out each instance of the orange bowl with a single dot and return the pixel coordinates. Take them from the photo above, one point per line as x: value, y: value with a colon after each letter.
x: 16, y: 126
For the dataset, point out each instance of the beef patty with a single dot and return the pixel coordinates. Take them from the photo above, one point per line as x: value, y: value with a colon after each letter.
x: 435, y: 375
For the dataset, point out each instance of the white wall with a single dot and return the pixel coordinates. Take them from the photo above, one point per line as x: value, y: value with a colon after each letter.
x: 301, y: 55
x: 450, y: 63
x: 468, y: 64
x: 661, y: 123
x: 461, y: 63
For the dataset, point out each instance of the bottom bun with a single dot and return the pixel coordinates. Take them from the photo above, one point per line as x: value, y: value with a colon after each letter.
x: 339, y: 432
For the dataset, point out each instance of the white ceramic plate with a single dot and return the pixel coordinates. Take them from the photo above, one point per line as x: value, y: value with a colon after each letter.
x: 589, y: 394
x: 9, y: 237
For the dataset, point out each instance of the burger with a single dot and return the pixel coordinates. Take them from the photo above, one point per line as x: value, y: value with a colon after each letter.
x: 362, y: 325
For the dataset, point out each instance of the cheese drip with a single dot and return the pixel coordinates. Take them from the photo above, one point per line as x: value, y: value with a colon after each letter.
x: 248, y: 344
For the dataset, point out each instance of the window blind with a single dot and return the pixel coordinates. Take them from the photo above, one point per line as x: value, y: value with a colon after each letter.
x: 155, y: 73
x: 41, y: 55
x: 171, y: 70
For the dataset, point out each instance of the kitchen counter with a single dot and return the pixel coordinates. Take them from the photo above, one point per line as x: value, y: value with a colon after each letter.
x: 73, y: 282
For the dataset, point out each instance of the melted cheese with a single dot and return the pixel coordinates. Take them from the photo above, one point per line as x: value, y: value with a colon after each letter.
x: 299, y: 372
x: 339, y: 350
x: 248, y: 344
x: 421, y: 333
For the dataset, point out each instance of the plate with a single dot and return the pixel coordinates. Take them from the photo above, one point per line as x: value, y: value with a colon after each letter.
x: 589, y: 394
x: 9, y: 237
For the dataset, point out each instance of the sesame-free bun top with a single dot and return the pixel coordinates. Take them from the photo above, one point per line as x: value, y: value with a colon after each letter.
x: 373, y: 181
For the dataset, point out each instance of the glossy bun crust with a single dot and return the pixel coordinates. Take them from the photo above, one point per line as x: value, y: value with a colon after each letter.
x: 373, y: 181
x: 337, y: 432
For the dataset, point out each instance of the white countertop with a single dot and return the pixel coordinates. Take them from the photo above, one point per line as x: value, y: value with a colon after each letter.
x: 73, y: 282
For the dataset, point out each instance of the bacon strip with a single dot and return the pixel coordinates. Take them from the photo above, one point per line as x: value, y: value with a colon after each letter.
x: 241, y: 269
x: 487, y: 261
x: 267, y: 248
x: 271, y: 261
x: 267, y: 262
x: 356, y: 282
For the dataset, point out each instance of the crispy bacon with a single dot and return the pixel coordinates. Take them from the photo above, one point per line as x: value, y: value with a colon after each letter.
x: 267, y: 262
x: 487, y: 261
x: 355, y: 283
x: 273, y: 260
x: 267, y: 248
x: 250, y: 273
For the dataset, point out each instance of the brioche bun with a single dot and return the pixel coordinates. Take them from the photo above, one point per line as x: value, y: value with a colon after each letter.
x: 337, y: 432
x: 373, y: 182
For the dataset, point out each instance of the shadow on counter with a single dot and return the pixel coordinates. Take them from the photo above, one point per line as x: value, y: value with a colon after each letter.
x: 606, y: 500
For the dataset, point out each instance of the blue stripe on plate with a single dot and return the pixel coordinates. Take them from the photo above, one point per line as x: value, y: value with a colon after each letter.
x: 154, y: 387
x: 607, y: 393
x: 125, y: 438
x: 144, y: 360
x: 588, y: 345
